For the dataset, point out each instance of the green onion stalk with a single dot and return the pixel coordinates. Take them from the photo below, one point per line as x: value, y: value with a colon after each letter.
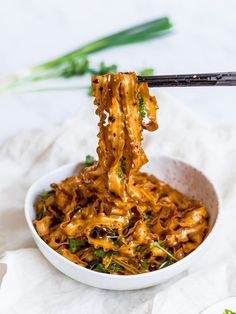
x: 76, y: 62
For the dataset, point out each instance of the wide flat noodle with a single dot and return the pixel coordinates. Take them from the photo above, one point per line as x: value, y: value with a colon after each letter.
x: 112, y: 217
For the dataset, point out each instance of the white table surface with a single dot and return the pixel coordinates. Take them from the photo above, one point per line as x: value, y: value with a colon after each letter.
x: 33, y: 31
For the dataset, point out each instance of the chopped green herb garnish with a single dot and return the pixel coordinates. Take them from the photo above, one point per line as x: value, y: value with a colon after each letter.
x: 104, y: 69
x: 228, y: 312
x: 76, y: 62
x: 93, y: 264
x: 115, y: 267
x: 110, y: 253
x: 77, y: 207
x: 121, y: 168
x: 146, y: 218
x: 146, y: 72
x: 75, y: 67
x: 118, y: 242
x: 45, y: 195
x: 59, y: 219
x: 100, y: 268
x: 75, y: 243
x: 81, y: 66
x: 112, y: 233
x: 166, y: 263
x: 120, y: 173
x: 41, y: 212
x: 144, y: 265
x: 160, y: 245
x: 99, y: 252
x: 141, y: 106
x: 89, y: 160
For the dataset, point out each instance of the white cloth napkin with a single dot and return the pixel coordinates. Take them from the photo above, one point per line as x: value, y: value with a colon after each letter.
x: 31, y: 285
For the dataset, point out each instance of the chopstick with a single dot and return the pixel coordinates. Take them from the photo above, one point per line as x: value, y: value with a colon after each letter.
x: 190, y: 80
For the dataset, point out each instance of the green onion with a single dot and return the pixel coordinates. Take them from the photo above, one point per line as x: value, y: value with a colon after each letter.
x: 79, y: 67
x: 138, y: 33
x: 146, y: 217
x: 76, y: 63
x: 146, y: 72
x: 228, y: 312
x: 89, y: 160
x: 104, y: 69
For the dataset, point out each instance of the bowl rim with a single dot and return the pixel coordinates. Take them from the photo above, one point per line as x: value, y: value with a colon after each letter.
x: 174, y: 266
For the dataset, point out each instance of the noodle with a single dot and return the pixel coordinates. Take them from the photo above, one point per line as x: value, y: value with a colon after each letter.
x: 111, y: 217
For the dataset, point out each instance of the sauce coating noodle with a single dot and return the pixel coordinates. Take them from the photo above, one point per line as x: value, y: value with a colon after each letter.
x: 111, y: 217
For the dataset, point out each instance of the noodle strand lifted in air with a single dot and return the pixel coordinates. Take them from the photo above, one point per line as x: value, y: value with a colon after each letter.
x: 111, y: 217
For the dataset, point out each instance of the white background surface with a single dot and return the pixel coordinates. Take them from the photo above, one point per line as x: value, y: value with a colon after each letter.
x: 203, y: 40
x: 34, y: 31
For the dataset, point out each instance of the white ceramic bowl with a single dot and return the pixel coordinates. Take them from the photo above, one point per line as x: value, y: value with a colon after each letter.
x: 181, y: 176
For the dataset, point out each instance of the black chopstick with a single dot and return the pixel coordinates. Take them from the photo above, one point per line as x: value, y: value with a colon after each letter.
x: 190, y: 80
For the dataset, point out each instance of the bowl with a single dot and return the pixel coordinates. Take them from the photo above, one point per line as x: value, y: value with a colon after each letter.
x: 180, y: 176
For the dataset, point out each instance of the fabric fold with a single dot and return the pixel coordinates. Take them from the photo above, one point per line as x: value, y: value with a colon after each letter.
x: 31, y: 284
